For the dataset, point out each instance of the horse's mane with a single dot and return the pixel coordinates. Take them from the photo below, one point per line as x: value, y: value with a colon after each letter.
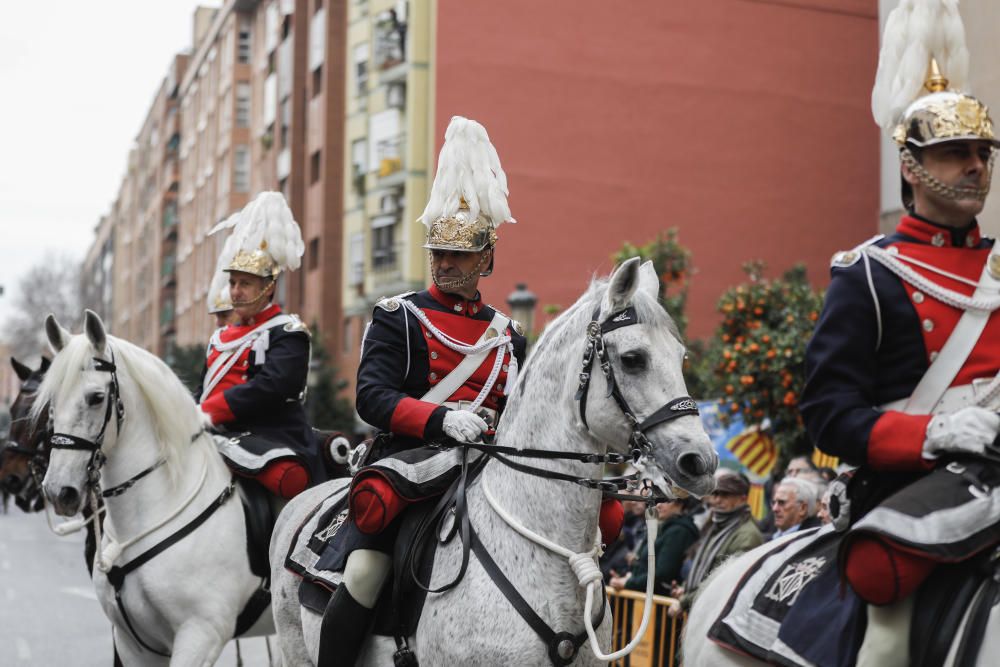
x: 174, y: 412
x: 648, y: 309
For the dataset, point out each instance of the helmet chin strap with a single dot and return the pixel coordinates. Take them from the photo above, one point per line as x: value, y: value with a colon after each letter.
x: 941, y: 188
x: 256, y: 299
x: 450, y: 285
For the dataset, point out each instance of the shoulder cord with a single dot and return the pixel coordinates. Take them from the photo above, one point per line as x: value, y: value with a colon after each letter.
x: 589, y: 574
x: 458, y: 346
x: 878, y: 309
x: 942, y: 294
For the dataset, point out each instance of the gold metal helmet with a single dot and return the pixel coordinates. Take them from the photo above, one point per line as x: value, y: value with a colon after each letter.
x: 468, y: 199
x: 919, y: 97
x: 943, y: 115
x: 266, y: 239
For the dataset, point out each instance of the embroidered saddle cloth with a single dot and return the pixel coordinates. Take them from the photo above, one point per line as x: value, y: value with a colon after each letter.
x: 790, y: 607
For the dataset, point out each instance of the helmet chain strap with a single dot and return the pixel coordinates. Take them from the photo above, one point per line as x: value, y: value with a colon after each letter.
x: 946, y: 191
x: 457, y: 283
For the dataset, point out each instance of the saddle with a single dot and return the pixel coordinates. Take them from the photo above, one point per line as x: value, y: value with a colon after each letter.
x: 320, y: 548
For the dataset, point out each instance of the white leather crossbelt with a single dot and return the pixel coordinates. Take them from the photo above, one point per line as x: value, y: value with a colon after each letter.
x: 953, y: 399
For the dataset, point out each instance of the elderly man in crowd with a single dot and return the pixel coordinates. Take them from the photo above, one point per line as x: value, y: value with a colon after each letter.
x: 729, y: 531
x: 794, y: 506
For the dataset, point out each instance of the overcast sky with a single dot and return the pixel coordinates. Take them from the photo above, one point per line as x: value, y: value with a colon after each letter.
x: 77, y: 79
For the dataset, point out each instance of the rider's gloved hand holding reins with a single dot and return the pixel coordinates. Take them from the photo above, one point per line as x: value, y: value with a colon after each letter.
x: 464, y: 426
x: 969, y: 430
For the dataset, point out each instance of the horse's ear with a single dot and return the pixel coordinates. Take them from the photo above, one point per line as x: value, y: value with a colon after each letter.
x: 46, y: 362
x: 624, y: 281
x: 94, y: 328
x: 23, y: 372
x: 58, y: 337
x: 649, y: 282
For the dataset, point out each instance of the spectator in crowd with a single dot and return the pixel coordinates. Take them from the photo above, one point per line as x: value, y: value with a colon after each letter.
x: 616, y: 558
x: 729, y: 531
x: 823, y: 513
x: 634, y: 526
x: 794, y: 506
x: 675, y: 533
x: 798, y: 466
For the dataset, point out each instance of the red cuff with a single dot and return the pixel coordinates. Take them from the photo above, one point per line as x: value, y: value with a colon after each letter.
x: 897, y: 442
x: 410, y: 417
x: 216, y: 407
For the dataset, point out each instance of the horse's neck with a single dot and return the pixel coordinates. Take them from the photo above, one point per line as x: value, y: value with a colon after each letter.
x: 159, y: 493
x: 542, y: 418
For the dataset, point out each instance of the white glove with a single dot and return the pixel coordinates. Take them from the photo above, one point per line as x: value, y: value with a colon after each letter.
x: 970, y: 430
x: 464, y: 426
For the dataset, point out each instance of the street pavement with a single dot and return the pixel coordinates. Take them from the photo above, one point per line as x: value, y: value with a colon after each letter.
x: 48, y: 612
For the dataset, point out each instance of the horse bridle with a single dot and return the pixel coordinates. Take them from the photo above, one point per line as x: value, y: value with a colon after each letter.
x: 596, y: 349
x: 113, y: 405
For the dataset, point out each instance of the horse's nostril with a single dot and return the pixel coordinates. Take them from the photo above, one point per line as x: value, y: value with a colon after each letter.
x: 692, y: 465
x: 68, y: 496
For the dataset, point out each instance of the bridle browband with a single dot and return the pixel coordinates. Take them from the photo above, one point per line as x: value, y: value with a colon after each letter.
x: 673, y: 409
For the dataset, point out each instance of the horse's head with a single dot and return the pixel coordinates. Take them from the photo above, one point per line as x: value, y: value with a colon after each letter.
x: 639, y: 374
x: 26, y: 446
x: 82, y: 387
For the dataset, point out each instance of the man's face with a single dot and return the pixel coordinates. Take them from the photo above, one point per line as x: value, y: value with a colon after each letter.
x: 796, y: 467
x: 223, y: 318
x: 963, y: 165
x: 245, y: 290
x: 788, y: 509
x: 668, y: 509
x: 450, y: 267
x: 725, y: 502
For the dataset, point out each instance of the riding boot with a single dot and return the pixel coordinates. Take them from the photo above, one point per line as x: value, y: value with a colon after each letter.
x: 345, y: 626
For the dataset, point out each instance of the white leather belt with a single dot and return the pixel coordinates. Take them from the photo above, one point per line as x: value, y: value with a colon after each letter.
x: 955, y: 398
x: 489, y: 416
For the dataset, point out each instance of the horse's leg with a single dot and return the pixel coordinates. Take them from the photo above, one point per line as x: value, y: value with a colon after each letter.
x: 129, y: 652
x: 196, y: 644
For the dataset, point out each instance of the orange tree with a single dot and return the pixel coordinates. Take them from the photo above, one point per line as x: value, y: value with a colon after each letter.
x: 755, y: 362
x: 672, y: 262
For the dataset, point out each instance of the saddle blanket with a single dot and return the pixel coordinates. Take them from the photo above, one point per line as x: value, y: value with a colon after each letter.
x: 790, y: 607
x: 312, y: 537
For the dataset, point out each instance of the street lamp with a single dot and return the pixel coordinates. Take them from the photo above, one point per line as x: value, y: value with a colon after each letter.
x: 522, y: 304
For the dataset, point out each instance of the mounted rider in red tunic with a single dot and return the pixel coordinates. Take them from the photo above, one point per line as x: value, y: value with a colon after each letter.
x: 904, y: 366
x: 256, y: 367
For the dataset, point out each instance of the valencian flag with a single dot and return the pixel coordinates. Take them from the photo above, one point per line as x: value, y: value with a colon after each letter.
x: 756, y: 450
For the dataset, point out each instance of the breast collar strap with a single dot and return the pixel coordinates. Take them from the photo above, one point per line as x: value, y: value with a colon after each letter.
x: 673, y: 409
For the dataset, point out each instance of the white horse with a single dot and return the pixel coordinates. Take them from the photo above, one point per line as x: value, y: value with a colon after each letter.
x: 474, y: 624
x: 115, y: 404
x: 698, y: 649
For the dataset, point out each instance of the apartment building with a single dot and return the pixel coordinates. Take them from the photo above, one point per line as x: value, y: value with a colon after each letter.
x: 96, y: 271
x: 387, y: 158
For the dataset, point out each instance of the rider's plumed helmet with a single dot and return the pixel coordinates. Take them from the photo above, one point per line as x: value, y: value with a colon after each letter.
x: 266, y: 239
x: 468, y: 199
x: 919, y: 97
x: 218, y: 299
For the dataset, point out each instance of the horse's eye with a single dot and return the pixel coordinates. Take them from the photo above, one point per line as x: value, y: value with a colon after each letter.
x: 634, y: 362
x: 95, y: 399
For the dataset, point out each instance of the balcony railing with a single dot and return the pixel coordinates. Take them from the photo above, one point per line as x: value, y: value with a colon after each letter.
x: 386, y: 263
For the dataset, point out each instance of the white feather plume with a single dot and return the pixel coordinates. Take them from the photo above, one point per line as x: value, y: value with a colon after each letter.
x: 267, y: 221
x: 468, y: 168
x: 219, y: 288
x: 915, y: 32
x: 218, y: 292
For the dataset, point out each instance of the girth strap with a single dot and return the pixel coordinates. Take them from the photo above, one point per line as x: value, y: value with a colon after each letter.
x: 116, y: 575
x: 553, y: 640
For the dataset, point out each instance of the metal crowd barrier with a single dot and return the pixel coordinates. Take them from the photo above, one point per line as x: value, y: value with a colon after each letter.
x: 659, y: 647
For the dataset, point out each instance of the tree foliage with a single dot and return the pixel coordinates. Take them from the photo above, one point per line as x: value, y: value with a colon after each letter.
x: 755, y: 362
x: 672, y: 262
x: 187, y: 362
x: 50, y: 286
x: 326, y: 406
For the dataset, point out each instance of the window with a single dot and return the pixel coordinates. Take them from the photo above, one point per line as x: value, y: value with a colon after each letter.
x: 356, y: 259
x: 241, y: 169
x: 314, y: 253
x: 361, y: 68
x: 317, y: 86
x: 243, y: 104
x: 243, y: 45
x: 314, y: 168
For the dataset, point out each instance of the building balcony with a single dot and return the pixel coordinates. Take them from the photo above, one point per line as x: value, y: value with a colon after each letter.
x: 387, y: 264
x: 168, y: 272
x: 390, y: 155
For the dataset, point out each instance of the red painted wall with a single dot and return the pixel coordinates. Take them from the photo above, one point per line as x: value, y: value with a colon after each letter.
x: 744, y: 123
